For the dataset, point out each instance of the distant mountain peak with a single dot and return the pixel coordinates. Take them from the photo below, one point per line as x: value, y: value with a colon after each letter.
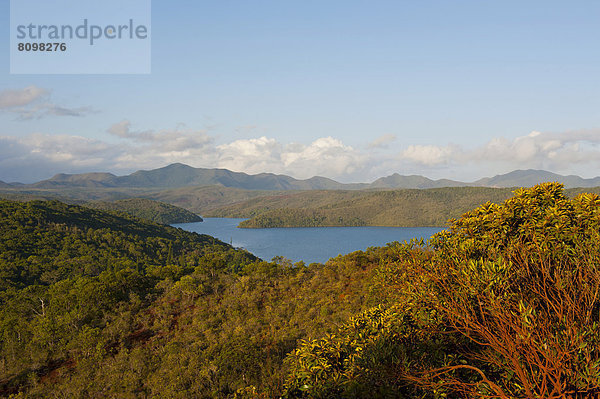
x: 531, y: 177
x: 178, y: 175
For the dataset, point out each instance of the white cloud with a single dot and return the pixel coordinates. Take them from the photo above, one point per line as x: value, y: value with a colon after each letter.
x: 19, y: 98
x: 33, y: 102
x: 120, y: 129
x: 250, y: 155
x: 560, y: 152
x: 557, y: 151
x: 65, y: 148
x: 383, y: 141
x: 429, y: 154
x: 164, y: 140
x: 325, y: 156
x: 41, y: 110
x: 39, y: 156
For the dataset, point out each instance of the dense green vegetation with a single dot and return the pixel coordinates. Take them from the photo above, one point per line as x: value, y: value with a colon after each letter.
x: 97, y: 304
x: 504, y: 304
x: 69, y: 273
x: 154, y: 211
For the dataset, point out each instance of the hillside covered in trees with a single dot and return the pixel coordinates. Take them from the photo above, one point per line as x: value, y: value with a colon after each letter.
x: 154, y: 211
x: 98, y: 304
x: 504, y: 304
x: 404, y: 208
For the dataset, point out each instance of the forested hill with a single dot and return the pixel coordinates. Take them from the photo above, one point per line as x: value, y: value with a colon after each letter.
x: 67, y: 271
x: 46, y: 241
x: 154, y: 211
x: 400, y: 208
x: 98, y: 304
x: 403, y: 208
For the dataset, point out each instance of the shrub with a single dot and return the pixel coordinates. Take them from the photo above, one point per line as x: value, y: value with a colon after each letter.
x: 522, y: 281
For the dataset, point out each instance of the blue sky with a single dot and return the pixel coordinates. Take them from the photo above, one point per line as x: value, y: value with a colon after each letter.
x: 351, y: 90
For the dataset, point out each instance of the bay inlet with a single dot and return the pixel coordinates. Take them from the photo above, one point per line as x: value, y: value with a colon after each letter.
x: 308, y: 244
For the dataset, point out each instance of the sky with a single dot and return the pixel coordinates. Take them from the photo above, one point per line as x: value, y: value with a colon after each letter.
x: 351, y: 90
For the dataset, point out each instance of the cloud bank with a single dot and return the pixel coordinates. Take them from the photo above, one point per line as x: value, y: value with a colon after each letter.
x: 556, y: 151
x: 38, y: 156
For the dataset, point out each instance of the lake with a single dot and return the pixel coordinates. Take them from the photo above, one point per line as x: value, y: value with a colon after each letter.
x: 309, y: 244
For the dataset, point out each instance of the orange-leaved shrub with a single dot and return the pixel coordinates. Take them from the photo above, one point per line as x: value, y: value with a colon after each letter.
x: 522, y: 280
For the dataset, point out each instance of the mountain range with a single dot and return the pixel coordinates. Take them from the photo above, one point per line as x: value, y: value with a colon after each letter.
x: 180, y: 175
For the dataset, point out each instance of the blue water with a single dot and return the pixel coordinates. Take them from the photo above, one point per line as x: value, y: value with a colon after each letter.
x: 309, y: 244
